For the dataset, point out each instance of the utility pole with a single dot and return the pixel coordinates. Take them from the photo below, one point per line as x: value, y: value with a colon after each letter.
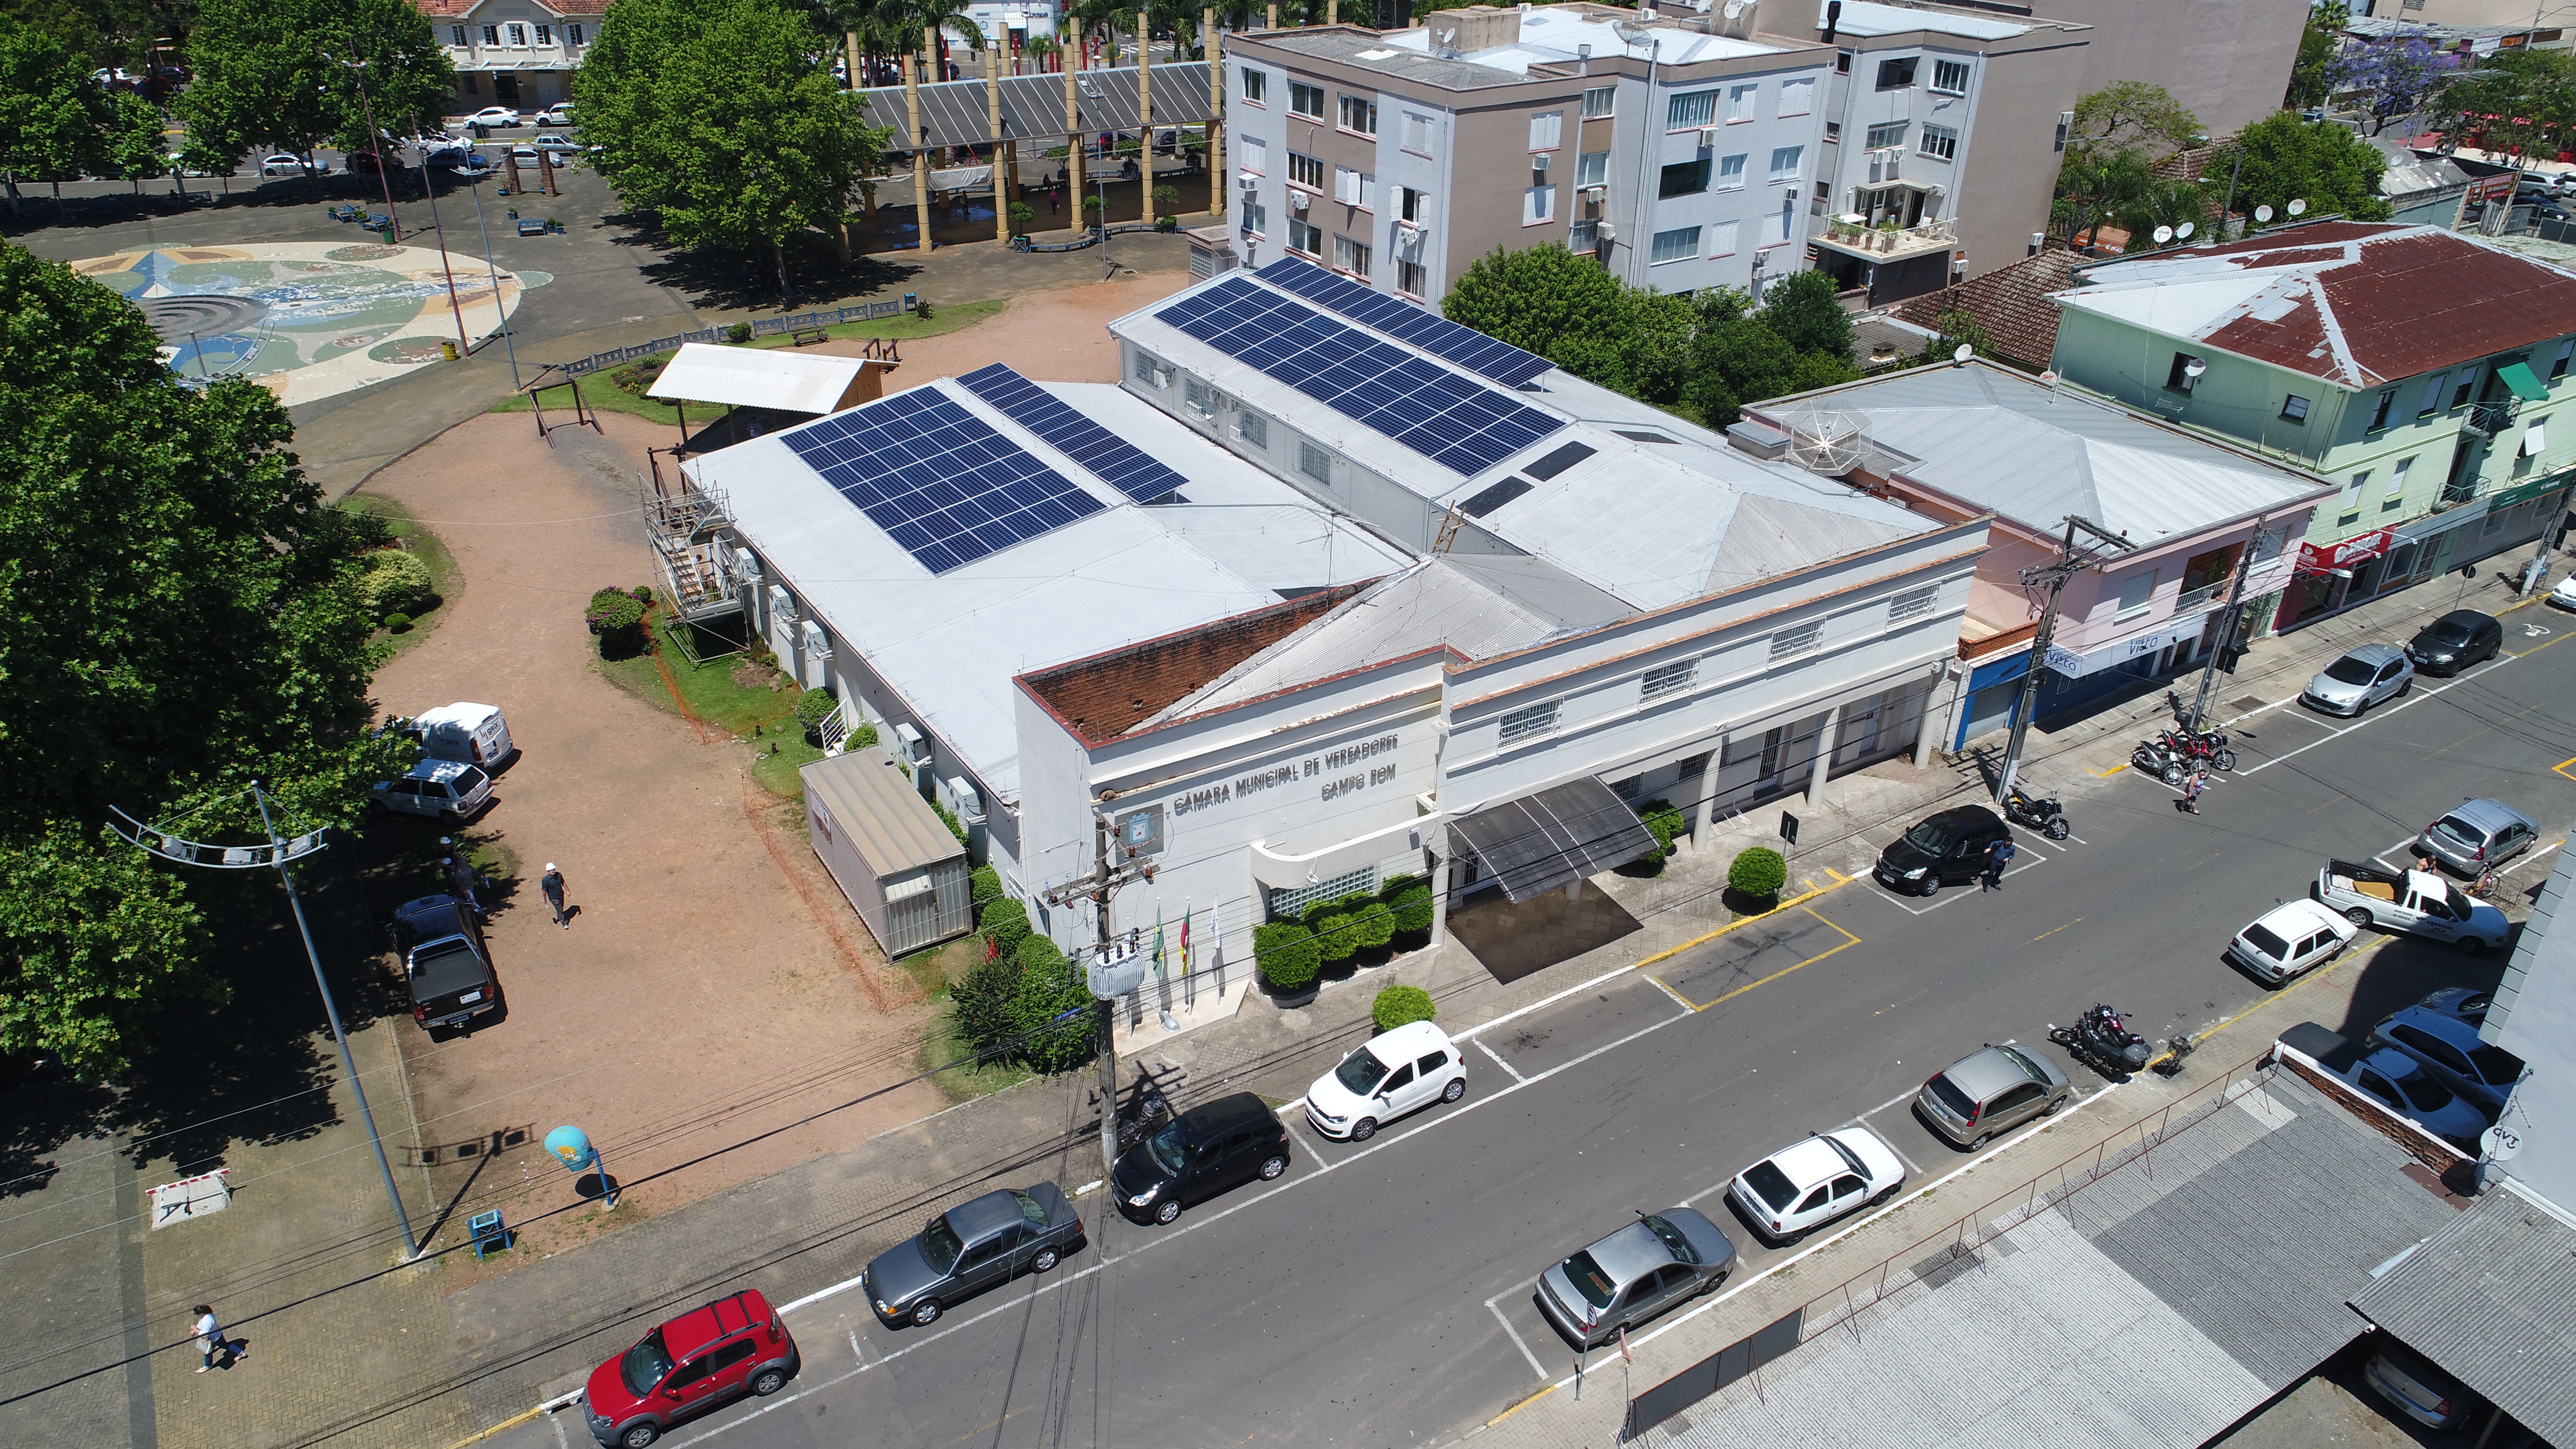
x: 2227, y: 635
x: 2054, y: 576
x: 1108, y: 873
x: 278, y: 852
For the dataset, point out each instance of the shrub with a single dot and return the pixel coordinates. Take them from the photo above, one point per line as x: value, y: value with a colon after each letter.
x: 986, y: 1004
x: 1006, y: 925
x: 391, y: 581
x: 1373, y: 925
x: 1285, y: 954
x: 1397, y: 885
x: 1050, y: 987
x: 865, y: 734
x: 618, y: 620
x: 949, y: 818
x: 738, y: 334
x: 1413, y: 909
x: 1398, y: 1005
x: 921, y: 308
x: 397, y: 623
x: 1666, y: 823
x: 642, y: 594
x: 812, y: 708
x: 1758, y: 872
x: 362, y: 529
x: 1337, y: 940
x: 983, y: 886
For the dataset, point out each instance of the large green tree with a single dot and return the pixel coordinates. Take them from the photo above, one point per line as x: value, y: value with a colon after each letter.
x: 1563, y: 306
x: 2312, y: 73
x: 132, y: 147
x: 2131, y: 116
x: 2287, y: 158
x: 177, y: 618
x: 289, y: 75
x: 50, y: 110
x: 2513, y: 100
x: 1739, y: 357
x: 722, y: 117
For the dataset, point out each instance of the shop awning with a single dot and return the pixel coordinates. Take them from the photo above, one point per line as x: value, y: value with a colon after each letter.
x: 2525, y: 386
x: 1555, y: 837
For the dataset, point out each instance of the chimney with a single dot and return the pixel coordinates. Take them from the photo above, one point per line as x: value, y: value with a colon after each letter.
x: 1833, y: 19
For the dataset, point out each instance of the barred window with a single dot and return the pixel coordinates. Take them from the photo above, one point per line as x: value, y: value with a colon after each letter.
x: 1290, y: 905
x: 1252, y: 428
x: 1199, y: 399
x: 1669, y: 677
x: 1149, y: 369
x: 1912, y: 604
x: 1529, y: 721
x: 1314, y: 462
x: 1790, y: 642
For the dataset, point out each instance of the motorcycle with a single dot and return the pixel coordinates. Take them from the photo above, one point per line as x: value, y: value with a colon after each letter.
x: 2162, y: 761
x: 2099, y: 1038
x: 1143, y: 1116
x: 2208, y: 747
x: 2043, y: 815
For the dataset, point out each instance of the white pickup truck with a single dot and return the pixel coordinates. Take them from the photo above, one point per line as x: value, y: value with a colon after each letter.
x: 2414, y: 901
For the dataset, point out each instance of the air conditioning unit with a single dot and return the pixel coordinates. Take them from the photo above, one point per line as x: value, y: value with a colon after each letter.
x: 1708, y: 135
x: 746, y: 568
x: 1597, y: 195
x: 961, y: 800
x: 782, y: 604
x: 911, y: 746
x: 818, y: 645
x: 1296, y: 201
x: 1248, y: 183
x: 1539, y: 160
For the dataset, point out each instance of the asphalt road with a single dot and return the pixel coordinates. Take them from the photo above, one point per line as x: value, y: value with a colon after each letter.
x: 1379, y: 1294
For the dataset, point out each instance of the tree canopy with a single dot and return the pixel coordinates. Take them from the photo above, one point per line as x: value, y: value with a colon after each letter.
x: 2311, y: 74
x: 722, y: 117
x: 2390, y: 78
x: 50, y: 111
x: 176, y: 618
x: 2131, y: 116
x: 285, y: 75
x: 2289, y: 158
x: 2510, y: 101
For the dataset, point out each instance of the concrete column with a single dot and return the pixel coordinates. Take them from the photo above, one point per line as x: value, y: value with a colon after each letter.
x: 1436, y: 836
x: 1927, y: 733
x: 1219, y: 190
x: 1707, y: 812
x: 993, y: 128
x: 850, y: 49
x: 912, y: 142
x: 1824, y: 758
x: 1274, y: 16
x: 1574, y: 889
x: 1332, y: 12
x: 1073, y: 128
x: 1144, y: 121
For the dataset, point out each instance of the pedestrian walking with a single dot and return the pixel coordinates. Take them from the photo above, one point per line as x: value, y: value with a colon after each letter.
x: 211, y: 1341
x: 552, y: 884
x: 462, y: 876
x: 1050, y: 201
x: 2191, y: 789
x: 1997, y: 857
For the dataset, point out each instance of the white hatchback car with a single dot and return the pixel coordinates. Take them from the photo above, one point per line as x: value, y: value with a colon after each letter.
x: 1806, y: 1185
x: 494, y: 116
x: 1391, y: 1074
x: 2290, y: 938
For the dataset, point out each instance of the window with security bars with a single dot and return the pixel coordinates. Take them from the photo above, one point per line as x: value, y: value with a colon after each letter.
x: 1314, y: 462
x: 1912, y: 604
x: 1690, y: 110
x: 1789, y: 643
x: 1253, y: 428
x: 1292, y: 904
x: 1197, y: 397
x: 1412, y: 279
x: 456, y: 35
x: 1528, y: 722
x: 575, y: 34
x: 1669, y: 677
x: 1149, y: 369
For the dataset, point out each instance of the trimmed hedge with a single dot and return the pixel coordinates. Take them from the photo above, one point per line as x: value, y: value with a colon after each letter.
x: 1049, y: 987
x: 1398, y: 1005
x: 1373, y: 925
x: 1006, y: 925
x: 983, y: 887
x: 812, y: 708
x: 1286, y: 955
x: 1337, y: 939
x: 1413, y: 909
x: 1758, y: 872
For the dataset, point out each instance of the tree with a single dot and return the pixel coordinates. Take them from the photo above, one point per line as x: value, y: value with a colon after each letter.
x: 1804, y: 310
x: 132, y: 146
x: 2319, y: 44
x: 284, y: 75
x: 1736, y: 357
x: 177, y: 617
x: 2287, y: 158
x: 50, y: 110
x: 2131, y: 116
x: 2394, y: 77
x: 1535, y: 298
x: 2163, y: 201
x: 2512, y: 102
x: 2094, y: 187
x: 1050, y: 988
x: 722, y: 117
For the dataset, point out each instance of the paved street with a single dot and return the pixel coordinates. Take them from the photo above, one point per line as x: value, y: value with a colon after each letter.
x: 1380, y: 1294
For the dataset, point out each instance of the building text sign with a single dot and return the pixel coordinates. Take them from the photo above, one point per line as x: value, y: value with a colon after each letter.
x: 1334, y: 774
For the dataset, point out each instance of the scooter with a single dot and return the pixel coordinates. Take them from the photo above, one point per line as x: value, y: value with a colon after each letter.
x: 2099, y: 1037
x: 2161, y: 761
x: 2044, y: 815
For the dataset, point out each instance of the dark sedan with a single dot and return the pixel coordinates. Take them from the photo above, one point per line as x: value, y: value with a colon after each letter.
x: 969, y: 1248
x: 2455, y: 641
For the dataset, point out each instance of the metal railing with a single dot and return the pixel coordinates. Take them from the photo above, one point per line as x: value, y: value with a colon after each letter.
x: 760, y: 327
x: 2495, y: 416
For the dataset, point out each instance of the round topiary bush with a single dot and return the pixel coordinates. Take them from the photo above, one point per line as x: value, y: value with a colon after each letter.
x: 1397, y: 1005
x: 1758, y: 873
x: 738, y: 334
x: 391, y: 581
x: 1285, y: 954
x: 397, y: 623
x: 1373, y: 925
x: 1337, y: 940
x: 812, y: 708
x: 1412, y: 910
x: 983, y: 887
x: 618, y: 620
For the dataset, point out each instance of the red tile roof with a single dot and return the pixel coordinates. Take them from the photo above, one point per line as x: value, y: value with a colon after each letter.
x: 1108, y: 694
x: 2011, y: 303
x: 562, y: 9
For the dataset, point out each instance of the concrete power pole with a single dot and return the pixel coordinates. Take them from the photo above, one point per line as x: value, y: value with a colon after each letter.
x: 1107, y: 875
x: 915, y: 143
x: 2053, y: 577
x: 2199, y: 718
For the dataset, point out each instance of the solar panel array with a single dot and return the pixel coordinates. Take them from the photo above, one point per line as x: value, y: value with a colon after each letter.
x: 1120, y: 464
x: 1463, y: 426
x: 939, y: 480
x: 1430, y: 331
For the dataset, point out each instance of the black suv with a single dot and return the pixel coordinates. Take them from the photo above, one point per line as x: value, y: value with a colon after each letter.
x: 2455, y: 641
x: 1203, y: 1152
x: 1945, y: 849
x: 445, y: 960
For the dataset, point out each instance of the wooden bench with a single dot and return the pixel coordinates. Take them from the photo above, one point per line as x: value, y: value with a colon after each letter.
x: 529, y: 226
x: 801, y: 336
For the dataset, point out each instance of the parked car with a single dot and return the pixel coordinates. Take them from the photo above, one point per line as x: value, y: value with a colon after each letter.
x: 2417, y: 902
x: 2361, y: 678
x: 558, y: 114
x: 1945, y: 849
x: 2290, y: 938
x: 464, y: 160
x: 1634, y: 1274
x: 557, y: 147
x: 969, y: 1248
x: 734, y: 1346
x: 2395, y: 1080
x: 1385, y: 1077
x: 446, y: 962
x: 366, y: 163
x: 524, y: 154
x: 282, y: 164
x: 2564, y: 596
x: 2478, y: 835
x: 1808, y: 1184
x: 2418, y: 1390
x: 2455, y: 641
x: 444, y: 788
x: 2464, y: 1004
x: 1991, y: 1092
x: 2452, y: 1050
x: 475, y: 733
x: 1203, y: 1152
x: 494, y: 116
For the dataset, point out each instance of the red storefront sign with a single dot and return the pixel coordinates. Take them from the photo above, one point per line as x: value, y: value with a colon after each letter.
x: 2350, y: 553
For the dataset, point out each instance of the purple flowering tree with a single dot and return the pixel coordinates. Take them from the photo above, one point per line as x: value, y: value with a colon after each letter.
x: 2389, y: 79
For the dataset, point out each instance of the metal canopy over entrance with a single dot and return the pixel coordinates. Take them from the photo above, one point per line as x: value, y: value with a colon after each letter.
x: 1555, y: 837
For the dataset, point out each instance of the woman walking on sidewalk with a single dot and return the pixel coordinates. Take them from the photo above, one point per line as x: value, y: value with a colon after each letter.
x: 2191, y: 789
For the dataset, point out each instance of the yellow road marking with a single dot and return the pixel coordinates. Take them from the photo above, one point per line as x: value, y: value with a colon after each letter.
x: 1668, y: 991
x: 2044, y: 935
x: 1849, y: 941
x: 2561, y: 768
x: 1839, y: 877
x: 1891, y: 1006
x: 1523, y: 1404
x: 1790, y: 904
x: 2107, y: 774
x: 1722, y: 1086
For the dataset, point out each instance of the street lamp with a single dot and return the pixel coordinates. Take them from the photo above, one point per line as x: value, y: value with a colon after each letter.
x: 385, y: 178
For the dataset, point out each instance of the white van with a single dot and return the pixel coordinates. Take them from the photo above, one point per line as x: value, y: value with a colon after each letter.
x: 473, y: 734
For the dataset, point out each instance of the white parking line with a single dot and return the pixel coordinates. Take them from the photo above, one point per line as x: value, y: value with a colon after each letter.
x: 1309, y: 1146
x: 1498, y: 1061
x: 1545, y: 1001
x: 1536, y: 1367
x: 2497, y: 663
x: 1894, y: 900
x: 1668, y: 991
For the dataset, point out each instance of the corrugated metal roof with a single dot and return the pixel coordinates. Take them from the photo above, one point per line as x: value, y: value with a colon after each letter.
x: 2492, y: 1301
x: 879, y: 811
x: 2539, y: 949
x: 757, y: 378
x: 953, y: 112
x: 2354, y: 303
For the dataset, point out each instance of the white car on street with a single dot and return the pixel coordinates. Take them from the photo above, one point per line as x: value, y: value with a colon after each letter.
x: 2564, y: 596
x: 1389, y: 1075
x: 282, y: 164
x: 1806, y: 1185
x: 494, y: 116
x: 2290, y: 938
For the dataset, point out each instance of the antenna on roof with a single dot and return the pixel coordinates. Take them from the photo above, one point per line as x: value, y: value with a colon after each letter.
x: 2049, y: 380
x: 2262, y: 214
x: 2185, y: 230
x: 1960, y: 355
x: 1824, y: 440
x: 2164, y: 234
x: 2298, y: 206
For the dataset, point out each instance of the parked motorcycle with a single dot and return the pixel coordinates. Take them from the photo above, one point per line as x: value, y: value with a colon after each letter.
x: 2099, y: 1038
x: 1144, y: 1114
x: 2209, y: 747
x: 2162, y: 761
x: 2042, y: 815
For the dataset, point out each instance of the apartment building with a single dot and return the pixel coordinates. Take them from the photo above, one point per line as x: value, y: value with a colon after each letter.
x: 513, y: 52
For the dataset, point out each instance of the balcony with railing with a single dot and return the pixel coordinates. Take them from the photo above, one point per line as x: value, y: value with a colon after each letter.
x: 2494, y: 416
x: 1885, y: 243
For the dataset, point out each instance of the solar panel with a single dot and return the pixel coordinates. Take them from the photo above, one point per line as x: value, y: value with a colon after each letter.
x: 1118, y: 463
x: 1463, y: 426
x: 939, y: 480
x: 1428, y: 330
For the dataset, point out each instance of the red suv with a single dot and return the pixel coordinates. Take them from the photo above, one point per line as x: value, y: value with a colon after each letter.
x: 696, y: 1361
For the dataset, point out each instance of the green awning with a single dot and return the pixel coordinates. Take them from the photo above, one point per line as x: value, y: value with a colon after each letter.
x: 2525, y: 386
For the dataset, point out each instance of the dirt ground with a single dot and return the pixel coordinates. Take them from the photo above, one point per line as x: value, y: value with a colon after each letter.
x: 1058, y: 335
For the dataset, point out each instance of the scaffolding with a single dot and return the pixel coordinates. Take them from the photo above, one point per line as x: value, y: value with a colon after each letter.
x: 690, y: 528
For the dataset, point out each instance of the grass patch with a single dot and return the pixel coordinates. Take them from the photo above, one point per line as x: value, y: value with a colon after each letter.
x: 933, y: 967
x: 606, y: 396
x: 775, y: 766
x: 943, y: 1045
x: 749, y: 700
x: 423, y: 545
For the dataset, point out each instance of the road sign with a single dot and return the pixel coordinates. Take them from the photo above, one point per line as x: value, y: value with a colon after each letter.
x: 1788, y: 827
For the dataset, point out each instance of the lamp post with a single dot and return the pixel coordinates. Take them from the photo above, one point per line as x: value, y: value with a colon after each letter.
x: 385, y: 179
x: 493, y: 269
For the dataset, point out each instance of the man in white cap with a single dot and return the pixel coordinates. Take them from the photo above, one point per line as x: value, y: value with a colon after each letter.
x: 552, y: 883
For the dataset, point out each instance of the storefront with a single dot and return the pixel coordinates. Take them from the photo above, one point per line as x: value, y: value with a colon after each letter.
x: 2337, y: 576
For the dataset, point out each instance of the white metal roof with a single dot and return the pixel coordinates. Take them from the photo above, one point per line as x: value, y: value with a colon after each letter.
x: 748, y: 377
x: 1868, y: 17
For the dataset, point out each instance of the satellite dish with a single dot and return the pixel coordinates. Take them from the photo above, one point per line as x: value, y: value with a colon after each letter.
x: 1962, y: 353
x: 1824, y: 440
x: 2299, y: 207
x: 2164, y: 234
x: 2185, y: 230
x: 2500, y: 1144
x: 2195, y: 367
x: 1735, y: 8
x: 2262, y: 213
